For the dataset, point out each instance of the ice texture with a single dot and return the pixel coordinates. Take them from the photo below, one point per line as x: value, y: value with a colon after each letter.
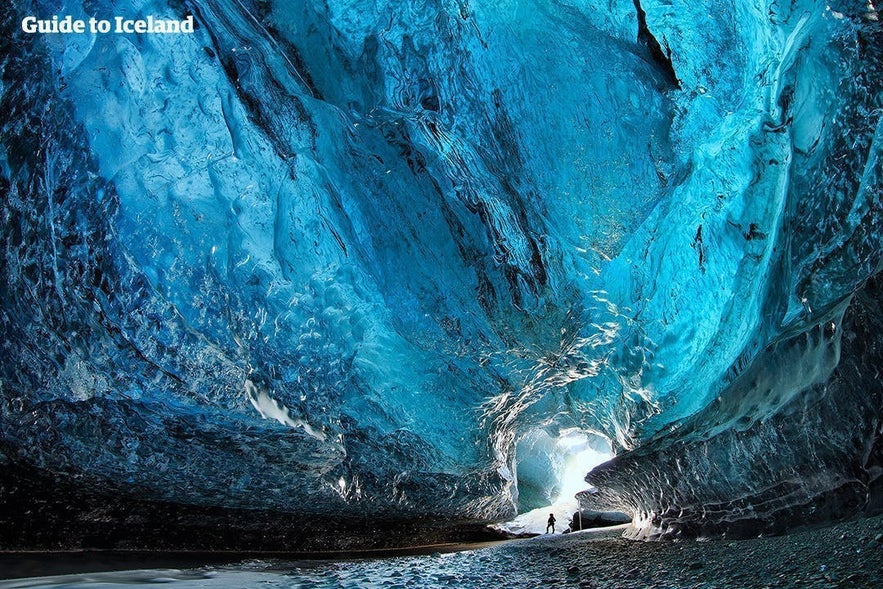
x: 350, y: 257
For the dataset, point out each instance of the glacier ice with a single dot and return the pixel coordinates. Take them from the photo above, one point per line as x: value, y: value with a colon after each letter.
x: 378, y: 257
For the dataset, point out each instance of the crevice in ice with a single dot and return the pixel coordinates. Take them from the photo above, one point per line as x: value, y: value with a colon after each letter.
x: 661, y: 57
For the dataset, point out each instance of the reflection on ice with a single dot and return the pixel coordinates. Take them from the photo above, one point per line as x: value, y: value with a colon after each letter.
x: 147, y: 577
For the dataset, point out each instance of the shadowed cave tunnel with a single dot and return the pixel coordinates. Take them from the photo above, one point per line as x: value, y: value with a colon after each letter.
x: 336, y: 275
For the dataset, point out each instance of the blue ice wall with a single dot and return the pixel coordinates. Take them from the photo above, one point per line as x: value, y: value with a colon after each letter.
x: 345, y: 255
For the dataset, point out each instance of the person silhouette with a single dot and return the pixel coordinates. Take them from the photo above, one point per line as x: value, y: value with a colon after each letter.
x: 551, y: 523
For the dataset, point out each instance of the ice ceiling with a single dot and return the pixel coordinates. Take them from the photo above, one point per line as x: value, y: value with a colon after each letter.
x: 375, y: 257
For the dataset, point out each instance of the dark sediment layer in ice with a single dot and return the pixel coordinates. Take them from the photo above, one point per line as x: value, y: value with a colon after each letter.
x: 42, y: 512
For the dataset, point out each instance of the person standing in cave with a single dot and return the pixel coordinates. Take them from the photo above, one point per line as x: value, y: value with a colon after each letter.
x: 551, y: 523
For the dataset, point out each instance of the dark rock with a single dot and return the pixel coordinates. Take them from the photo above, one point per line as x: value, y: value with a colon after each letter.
x: 597, y: 519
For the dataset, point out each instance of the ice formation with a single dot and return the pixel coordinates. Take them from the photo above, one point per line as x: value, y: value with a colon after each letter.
x: 376, y: 257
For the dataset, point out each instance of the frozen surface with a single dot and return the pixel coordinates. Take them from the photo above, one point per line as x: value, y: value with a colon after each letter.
x: 379, y: 257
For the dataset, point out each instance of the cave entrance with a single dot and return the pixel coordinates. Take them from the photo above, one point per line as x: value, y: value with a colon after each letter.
x: 550, y: 471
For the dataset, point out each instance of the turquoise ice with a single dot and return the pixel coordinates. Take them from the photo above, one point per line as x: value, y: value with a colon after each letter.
x: 381, y: 256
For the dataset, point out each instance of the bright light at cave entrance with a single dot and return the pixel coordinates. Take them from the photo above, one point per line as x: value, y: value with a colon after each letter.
x: 579, y: 459
x: 577, y: 454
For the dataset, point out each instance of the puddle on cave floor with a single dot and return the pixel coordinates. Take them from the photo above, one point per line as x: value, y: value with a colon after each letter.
x: 466, y: 565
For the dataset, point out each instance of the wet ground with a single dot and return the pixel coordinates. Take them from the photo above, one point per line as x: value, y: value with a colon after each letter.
x: 845, y: 555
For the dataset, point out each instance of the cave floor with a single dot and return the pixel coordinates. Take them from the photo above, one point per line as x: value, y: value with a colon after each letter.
x: 848, y: 554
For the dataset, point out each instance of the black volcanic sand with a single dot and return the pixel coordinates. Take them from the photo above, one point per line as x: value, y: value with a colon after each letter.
x: 844, y: 555
x: 849, y: 554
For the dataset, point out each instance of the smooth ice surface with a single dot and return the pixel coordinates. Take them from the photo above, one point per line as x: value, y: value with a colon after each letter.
x: 376, y: 256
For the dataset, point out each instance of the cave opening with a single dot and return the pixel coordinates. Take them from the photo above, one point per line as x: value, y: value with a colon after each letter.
x: 551, y: 467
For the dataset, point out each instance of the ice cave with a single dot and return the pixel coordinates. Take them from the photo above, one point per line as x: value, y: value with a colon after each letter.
x: 356, y: 273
